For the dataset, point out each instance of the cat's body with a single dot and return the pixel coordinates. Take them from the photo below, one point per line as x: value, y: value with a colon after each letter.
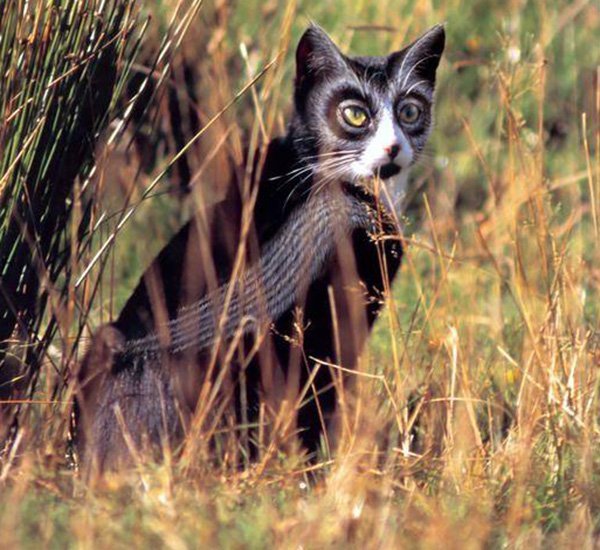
x: 316, y: 269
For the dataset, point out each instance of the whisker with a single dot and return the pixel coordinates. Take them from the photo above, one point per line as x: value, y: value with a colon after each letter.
x: 293, y: 174
x: 408, y: 54
x: 327, y: 179
x: 294, y: 188
x: 414, y: 86
x: 329, y: 165
x: 415, y: 65
x: 333, y: 153
x: 299, y: 170
x: 312, y: 165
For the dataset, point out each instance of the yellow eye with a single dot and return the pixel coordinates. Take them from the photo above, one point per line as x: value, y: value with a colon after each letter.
x: 355, y: 116
x: 410, y: 113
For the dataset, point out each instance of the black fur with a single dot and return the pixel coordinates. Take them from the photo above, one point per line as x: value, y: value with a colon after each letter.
x: 200, y: 257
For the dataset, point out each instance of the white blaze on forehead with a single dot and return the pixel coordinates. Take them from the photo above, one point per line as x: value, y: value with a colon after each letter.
x: 387, y: 133
x: 374, y: 156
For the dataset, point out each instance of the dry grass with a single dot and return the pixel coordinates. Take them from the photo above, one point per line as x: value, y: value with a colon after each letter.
x: 477, y: 417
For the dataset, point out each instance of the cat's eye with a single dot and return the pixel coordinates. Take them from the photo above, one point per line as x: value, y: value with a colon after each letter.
x: 410, y: 113
x: 355, y: 116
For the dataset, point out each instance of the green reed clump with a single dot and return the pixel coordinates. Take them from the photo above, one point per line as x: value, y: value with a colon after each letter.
x: 63, y: 65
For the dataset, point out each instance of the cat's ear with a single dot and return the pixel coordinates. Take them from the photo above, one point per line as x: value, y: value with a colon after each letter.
x: 316, y: 54
x: 422, y: 57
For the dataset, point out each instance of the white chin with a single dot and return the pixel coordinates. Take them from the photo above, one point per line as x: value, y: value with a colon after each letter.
x: 391, y: 191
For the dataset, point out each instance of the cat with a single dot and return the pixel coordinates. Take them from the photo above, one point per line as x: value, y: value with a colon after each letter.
x: 249, y: 315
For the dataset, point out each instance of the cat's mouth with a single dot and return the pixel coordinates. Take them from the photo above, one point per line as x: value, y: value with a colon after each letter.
x: 388, y: 170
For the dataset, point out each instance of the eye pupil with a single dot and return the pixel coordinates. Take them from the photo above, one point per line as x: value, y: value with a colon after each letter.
x: 410, y: 113
x: 355, y: 116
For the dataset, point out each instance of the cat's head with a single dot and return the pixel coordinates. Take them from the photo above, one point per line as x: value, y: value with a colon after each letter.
x: 358, y: 118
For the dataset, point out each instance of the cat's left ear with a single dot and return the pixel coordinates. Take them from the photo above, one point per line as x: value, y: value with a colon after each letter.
x: 422, y: 57
x: 316, y: 55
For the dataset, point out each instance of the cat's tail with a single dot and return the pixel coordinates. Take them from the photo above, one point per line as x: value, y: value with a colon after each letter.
x: 92, y: 382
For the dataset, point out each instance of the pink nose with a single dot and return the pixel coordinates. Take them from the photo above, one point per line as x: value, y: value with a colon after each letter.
x: 392, y: 150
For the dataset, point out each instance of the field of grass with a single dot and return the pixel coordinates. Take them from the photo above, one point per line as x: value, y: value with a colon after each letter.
x: 479, y: 416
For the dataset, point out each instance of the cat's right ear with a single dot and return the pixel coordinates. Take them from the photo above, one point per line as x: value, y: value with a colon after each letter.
x: 422, y: 57
x: 316, y: 55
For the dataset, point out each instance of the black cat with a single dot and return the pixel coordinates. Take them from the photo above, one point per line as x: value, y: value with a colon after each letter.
x: 252, y: 309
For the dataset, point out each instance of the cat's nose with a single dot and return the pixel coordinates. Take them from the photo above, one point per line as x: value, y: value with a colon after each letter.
x: 392, y: 150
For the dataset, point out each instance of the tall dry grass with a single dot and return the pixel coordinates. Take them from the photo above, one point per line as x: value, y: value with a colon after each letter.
x: 63, y: 67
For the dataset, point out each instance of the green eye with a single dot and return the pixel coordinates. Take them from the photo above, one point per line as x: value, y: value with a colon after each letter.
x: 355, y: 116
x: 410, y: 113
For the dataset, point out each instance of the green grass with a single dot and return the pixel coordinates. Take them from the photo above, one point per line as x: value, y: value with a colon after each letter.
x: 482, y: 426
x: 63, y: 69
